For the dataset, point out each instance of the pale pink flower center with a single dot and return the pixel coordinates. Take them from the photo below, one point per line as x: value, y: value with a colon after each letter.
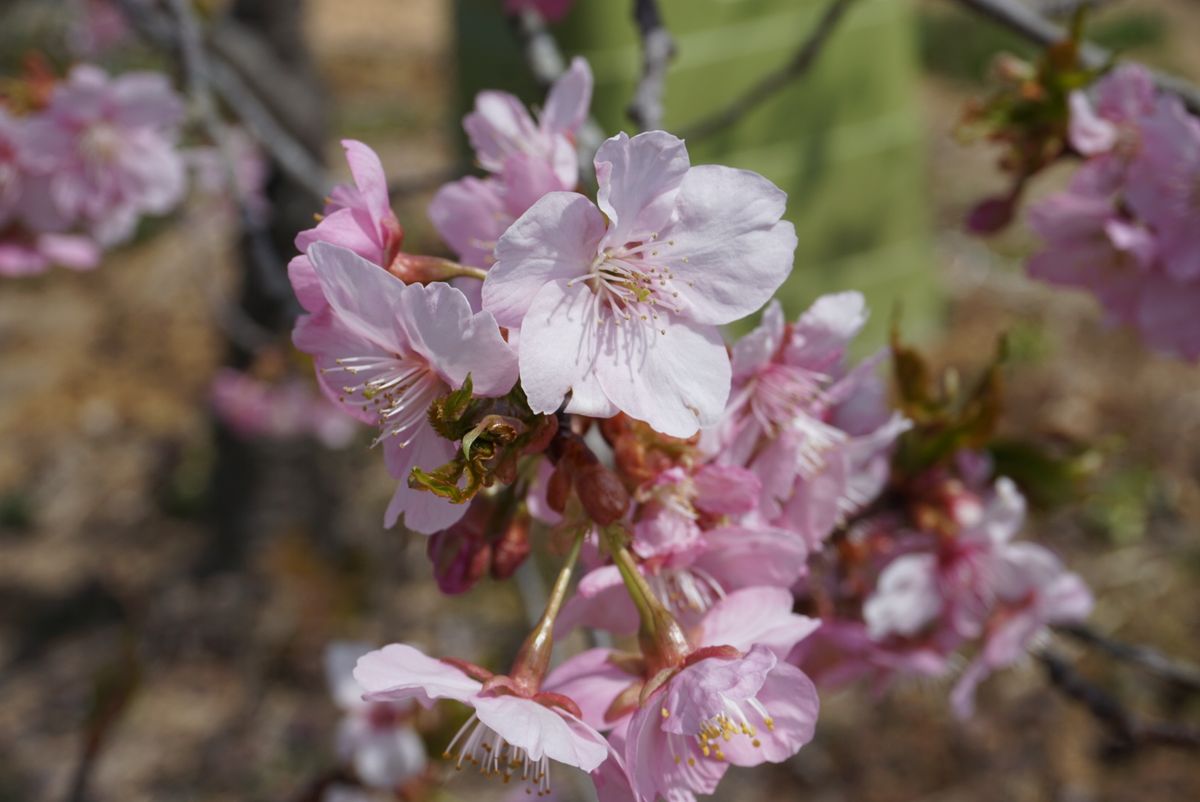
x: 632, y: 282
x: 101, y: 143
x: 400, y: 390
x: 790, y: 397
x: 479, y: 745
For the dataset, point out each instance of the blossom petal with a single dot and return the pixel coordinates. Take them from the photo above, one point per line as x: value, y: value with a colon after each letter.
x: 670, y: 373
x: 399, y: 672
x: 369, y: 178
x: 556, y: 239
x: 568, y: 100
x: 639, y: 181
x: 363, y: 296
x: 757, y: 616
x: 540, y: 731
x: 728, y: 247
x: 558, y: 345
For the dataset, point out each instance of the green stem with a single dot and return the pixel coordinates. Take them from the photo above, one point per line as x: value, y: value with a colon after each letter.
x: 662, y: 640
x: 533, y: 660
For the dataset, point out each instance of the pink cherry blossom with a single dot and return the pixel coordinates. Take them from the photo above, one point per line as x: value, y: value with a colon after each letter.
x: 112, y: 141
x: 385, y: 350
x: 618, y: 304
x: 359, y: 218
x: 816, y: 433
x: 374, y: 737
x: 723, y: 707
x: 509, y: 734
x: 1123, y: 98
x: 673, y: 504
x: 25, y: 254
x: 1033, y: 591
x: 527, y: 159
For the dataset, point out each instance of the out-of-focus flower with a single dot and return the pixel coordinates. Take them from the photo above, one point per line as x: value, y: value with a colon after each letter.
x: 526, y: 160
x: 211, y: 172
x: 385, y: 350
x: 256, y: 408
x: 112, y: 144
x: 619, y: 304
x: 375, y: 738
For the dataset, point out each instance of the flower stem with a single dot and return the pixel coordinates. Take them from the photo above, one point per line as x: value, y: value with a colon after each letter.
x: 533, y: 660
x: 662, y: 640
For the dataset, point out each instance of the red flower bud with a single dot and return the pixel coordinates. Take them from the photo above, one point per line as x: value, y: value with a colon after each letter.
x: 603, y: 496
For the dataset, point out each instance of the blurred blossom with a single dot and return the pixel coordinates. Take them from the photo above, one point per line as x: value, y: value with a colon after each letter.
x: 291, y: 408
x: 211, y: 168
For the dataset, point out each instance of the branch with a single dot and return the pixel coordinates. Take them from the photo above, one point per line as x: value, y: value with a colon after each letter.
x: 1128, y: 732
x: 1182, y: 675
x: 770, y: 85
x: 197, y: 72
x: 658, y: 48
x: 1031, y: 25
x: 292, y: 157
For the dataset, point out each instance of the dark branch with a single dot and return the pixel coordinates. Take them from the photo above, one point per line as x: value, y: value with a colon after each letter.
x: 1126, y: 730
x: 1179, y: 674
x: 293, y: 158
x: 658, y: 48
x: 1031, y: 25
x: 770, y: 85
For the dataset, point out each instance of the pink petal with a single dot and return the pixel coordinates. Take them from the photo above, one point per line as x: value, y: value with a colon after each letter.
x: 399, y: 672
x: 757, y: 616
x: 792, y: 702
x: 755, y: 350
x: 424, y: 512
x: 456, y: 341
x: 470, y: 216
x: 556, y: 239
x: 364, y: 297
x: 670, y: 373
x: 558, y: 345
x: 568, y: 100
x: 369, y: 179
x: 541, y: 731
x: 726, y: 489
x: 1090, y: 134
x: 593, y: 681
x: 639, y: 181
x: 498, y: 126
x: 737, y: 248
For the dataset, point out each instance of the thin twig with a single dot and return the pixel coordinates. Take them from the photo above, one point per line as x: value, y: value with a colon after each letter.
x: 1031, y: 25
x: 1128, y: 733
x: 658, y: 48
x: 771, y: 84
x: 286, y: 151
x: 1180, y: 674
x: 197, y: 73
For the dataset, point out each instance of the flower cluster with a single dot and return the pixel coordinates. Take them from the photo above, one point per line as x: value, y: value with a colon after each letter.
x: 586, y: 394
x: 1125, y: 227
x: 80, y: 167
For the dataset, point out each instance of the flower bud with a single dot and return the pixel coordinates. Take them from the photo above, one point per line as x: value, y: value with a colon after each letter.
x: 511, y: 548
x: 461, y: 554
x: 602, y: 494
x: 558, y: 489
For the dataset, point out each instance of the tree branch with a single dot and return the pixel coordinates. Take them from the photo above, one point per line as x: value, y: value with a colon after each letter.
x: 293, y: 158
x: 1029, y: 24
x: 658, y: 48
x: 1127, y: 731
x: 1182, y: 675
x: 771, y: 84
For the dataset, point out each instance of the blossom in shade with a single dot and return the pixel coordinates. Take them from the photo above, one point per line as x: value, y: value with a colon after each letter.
x: 619, y: 303
x: 526, y: 158
x: 112, y: 142
x: 376, y: 738
x: 291, y: 408
x: 511, y: 734
x: 25, y: 254
x: 385, y: 350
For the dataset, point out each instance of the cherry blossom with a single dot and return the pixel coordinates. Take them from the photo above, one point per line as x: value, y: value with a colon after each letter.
x: 386, y: 350
x: 618, y: 303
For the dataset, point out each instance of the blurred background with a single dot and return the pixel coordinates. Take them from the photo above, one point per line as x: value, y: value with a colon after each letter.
x: 168, y: 584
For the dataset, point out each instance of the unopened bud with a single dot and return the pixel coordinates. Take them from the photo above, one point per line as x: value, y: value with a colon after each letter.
x: 460, y: 554
x: 603, y: 496
x: 990, y: 215
x: 511, y: 548
x: 558, y: 489
x: 413, y: 268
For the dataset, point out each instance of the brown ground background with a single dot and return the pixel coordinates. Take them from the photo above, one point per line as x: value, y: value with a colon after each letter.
x: 106, y: 443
